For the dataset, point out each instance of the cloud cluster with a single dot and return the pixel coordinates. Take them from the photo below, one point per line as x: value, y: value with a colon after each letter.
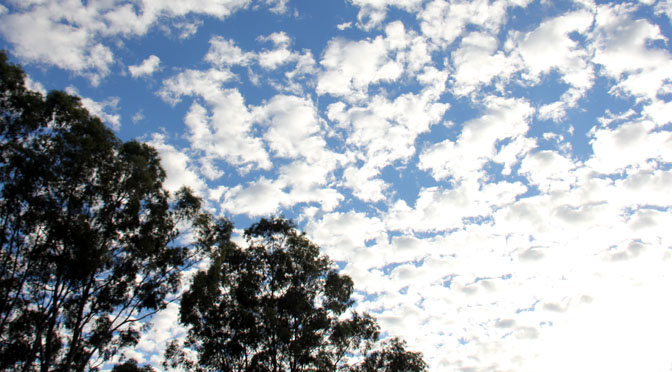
x: 494, y: 175
x: 516, y: 241
x: 146, y: 68
x: 80, y: 36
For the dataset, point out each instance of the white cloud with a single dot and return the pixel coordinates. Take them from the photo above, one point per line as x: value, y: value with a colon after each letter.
x: 631, y: 144
x: 36, y: 37
x: 381, y: 133
x: 556, y: 281
x: 35, y: 86
x: 343, y: 236
x: 550, y: 47
x: 303, y: 73
x: 105, y: 110
x: 660, y: 112
x: 68, y: 34
x: 187, y: 29
x: 206, y: 84
x: 344, y: 26
x: 153, y: 9
x: 310, y: 183
x: 138, y: 116
x: 298, y: 182
x: 349, y: 67
x: 476, y: 145
x: 443, y: 22
x: 280, y: 55
x: 621, y: 47
x: 373, y: 133
x: 225, y: 52
x: 510, y: 154
x: 365, y: 183
x: 293, y: 131
x: 163, y: 328
x: 223, y: 130
x: 146, y: 68
x: 178, y: 166
x: 609, y: 333
x: 373, y: 12
x: 293, y: 127
x: 477, y: 63
x: 548, y: 170
x: 258, y: 198
x: 277, y: 6
x: 438, y: 209
x: 664, y: 7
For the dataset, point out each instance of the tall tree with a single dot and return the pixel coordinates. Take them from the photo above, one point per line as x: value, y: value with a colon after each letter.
x: 87, y: 233
x: 278, y: 305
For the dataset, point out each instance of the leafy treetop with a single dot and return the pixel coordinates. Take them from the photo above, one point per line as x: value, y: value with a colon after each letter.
x: 87, y: 233
x: 278, y: 305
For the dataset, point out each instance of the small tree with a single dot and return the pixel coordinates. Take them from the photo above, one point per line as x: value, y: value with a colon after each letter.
x: 278, y: 305
x: 392, y: 357
x: 87, y: 233
x: 132, y: 366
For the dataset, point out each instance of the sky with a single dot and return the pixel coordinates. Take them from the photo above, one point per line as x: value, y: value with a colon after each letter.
x: 494, y: 175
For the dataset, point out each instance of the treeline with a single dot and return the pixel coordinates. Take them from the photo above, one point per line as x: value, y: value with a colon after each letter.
x: 91, y: 248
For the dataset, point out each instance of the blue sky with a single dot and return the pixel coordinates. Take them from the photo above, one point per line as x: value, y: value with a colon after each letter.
x: 494, y: 175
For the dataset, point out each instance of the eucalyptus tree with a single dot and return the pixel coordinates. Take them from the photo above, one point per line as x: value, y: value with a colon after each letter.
x: 88, y: 234
x: 279, y: 305
x: 132, y: 366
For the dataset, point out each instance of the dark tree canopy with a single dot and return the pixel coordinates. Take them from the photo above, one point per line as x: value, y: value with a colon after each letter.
x: 88, y: 252
x: 278, y: 305
x: 392, y: 357
x: 132, y: 366
x: 87, y: 233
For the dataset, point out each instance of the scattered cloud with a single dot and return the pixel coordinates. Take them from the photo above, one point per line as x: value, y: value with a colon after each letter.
x: 178, y: 166
x: 146, y: 68
x: 443, y: 22
x: 277, y: 6
x: 494, y: 175
x: 138, y: 116
x: 106, y: 110
x: 350, y: 66
x: 503, y: 119
x: 621, y: 47
x: 35, y: 86
x: 72, y: 35
x: 224, y: 52
x: 344, y: 26
x: 477, y: 62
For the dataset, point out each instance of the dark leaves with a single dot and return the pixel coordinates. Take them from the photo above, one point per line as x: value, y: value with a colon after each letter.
x: 276, y: 305
x: 87, y: 232
x: 393, y: 357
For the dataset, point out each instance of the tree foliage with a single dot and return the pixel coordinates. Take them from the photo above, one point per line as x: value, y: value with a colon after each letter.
x: 88, y: 252
x: 278, y: 305
x: 132, y: 366
x: 87, y: 233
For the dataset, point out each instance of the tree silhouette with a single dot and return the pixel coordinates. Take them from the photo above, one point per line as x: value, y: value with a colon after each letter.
x: 132, y: 366
x: 87, y: 233
x: 278, y: 305
x: 88, y: 252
